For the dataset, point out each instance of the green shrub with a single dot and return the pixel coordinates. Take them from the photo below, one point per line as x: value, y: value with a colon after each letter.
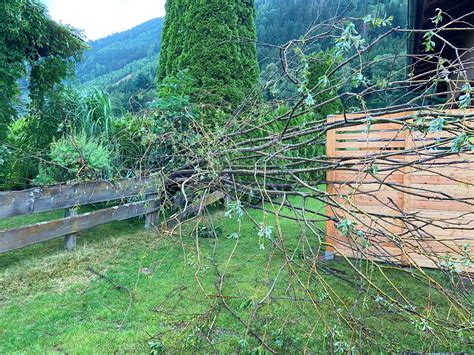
x: 75, y: 157
x: 92, y: 113
x: 134, y: 141
x: 20, y: 164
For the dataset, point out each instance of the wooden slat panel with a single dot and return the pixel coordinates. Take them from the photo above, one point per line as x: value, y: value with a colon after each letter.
x: 381, y: 145
x: 330, y: 176
x: 435, y: 180
x: 432, y: 136
x: 446, y: 234
x: 36, y: 200
x: 373, y: 129
x: 458, y: 191
x: 366, y: 153
x: 362, y: 177
x: 364, y: 135
x: 362, y: 200
x: 448, y: 216
x: 377, y: 229
x: 435, y: 247
x: 385, y: 254
x: 40, y: 232
x: 447, y: 164
x: 455, y: 171
x: 449, y: 223
x: 421, y: 261
x: 364, y: 188
x: 416, y: 205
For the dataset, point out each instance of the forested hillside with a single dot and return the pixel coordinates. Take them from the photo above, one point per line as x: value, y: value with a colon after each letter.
x: 114, y: 52
x: 125, y: 64
x: 280, y: 21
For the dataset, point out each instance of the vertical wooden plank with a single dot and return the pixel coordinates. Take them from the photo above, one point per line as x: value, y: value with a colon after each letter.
x: 70, y: 240
x: 407, y: 170
x: 151, y: 219
x: 330, y: 177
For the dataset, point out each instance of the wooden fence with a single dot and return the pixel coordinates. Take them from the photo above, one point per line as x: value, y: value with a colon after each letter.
x: 69, y: 197
x: 419, y: 214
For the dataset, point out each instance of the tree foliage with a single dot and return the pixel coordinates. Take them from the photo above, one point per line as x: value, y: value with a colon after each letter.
x: 214, y: 40
x: 34, y: 46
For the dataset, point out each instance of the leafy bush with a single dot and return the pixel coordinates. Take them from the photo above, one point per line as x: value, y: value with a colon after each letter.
x: 75, y: 157
x: 92, y: 114
x: 134, y: 142
x: 320, y: 66
x: 20, y: 164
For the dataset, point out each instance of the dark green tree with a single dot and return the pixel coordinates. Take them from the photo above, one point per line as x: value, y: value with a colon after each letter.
x: 35, y: 47
x: 215, y: 42
x: 41, y: 54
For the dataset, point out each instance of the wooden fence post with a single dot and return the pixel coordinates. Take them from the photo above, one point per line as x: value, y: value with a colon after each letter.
x: 151, y: 219
x: 70, y: 239
x: 406, y: 182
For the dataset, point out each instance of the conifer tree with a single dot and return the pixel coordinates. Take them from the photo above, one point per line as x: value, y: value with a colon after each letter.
x: 214, y: 41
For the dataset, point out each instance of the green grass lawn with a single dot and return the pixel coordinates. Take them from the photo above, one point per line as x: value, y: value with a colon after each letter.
x: 159, y: 292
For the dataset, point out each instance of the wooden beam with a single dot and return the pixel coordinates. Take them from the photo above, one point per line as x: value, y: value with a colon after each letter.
x: 43, y: 199
x: 40, y: 232
x: 70, y: 239
x: 151, y: 219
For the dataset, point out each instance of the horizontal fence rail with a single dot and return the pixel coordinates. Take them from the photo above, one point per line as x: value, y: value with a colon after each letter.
x: 69, y: 197
x: 41, y: 232
x: 417, y: 207
x: 45, y: 199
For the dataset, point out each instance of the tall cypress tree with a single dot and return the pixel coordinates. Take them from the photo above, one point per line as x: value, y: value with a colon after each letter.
x: 215, y: 42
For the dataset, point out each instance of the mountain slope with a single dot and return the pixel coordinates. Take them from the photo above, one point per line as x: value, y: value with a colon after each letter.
x: 114, y: 52
x: 125, y: 63
x: 107, y: 61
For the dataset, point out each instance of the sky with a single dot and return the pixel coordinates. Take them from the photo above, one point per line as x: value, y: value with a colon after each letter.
x: 99, y: 18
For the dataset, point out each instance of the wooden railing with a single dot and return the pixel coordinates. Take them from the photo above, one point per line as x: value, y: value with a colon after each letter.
x: 69, y: 197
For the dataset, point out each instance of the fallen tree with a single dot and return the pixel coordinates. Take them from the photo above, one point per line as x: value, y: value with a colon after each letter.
x: 264, y: 160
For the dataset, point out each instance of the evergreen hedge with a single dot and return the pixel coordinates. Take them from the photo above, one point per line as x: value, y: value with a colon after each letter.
x: 215, y: 42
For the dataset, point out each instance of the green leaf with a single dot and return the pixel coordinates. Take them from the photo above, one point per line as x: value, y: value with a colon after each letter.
x: 438, y: 18
x: 437, y: 125
x: 428, y: 41
x: 459, y: 143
